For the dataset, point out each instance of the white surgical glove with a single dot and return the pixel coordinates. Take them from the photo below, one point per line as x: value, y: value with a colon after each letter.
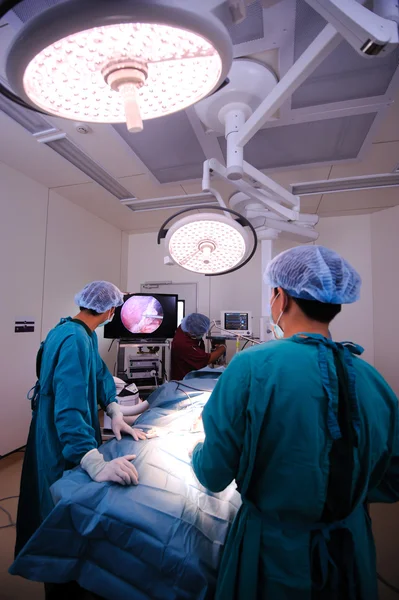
x: 120, y: 470
x: 119, y: 425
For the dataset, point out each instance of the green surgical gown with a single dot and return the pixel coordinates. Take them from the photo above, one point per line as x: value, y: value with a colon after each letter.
x: 269, y: 425
x: 73, y: 381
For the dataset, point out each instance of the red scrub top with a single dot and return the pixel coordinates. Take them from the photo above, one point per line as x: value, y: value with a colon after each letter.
x: 187, y: 355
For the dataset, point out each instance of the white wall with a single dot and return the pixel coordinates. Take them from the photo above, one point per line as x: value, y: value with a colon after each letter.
x: 80, y: 248
x: 351, y: 237
x: 49, y: 248
x: 385, y: 271
x: 22, y: 247
x: 385, y: 262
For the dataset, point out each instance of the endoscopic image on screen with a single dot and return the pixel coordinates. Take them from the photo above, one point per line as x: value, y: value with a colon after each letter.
x: 142, y: 314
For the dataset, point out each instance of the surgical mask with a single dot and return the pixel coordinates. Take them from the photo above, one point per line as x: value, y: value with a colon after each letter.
x: 106, y: 322
x: 277, y: 331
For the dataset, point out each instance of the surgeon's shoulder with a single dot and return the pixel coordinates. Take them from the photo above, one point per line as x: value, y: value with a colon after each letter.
x: 370, y: 379
x: 68, y: 329
x: 260, y: 352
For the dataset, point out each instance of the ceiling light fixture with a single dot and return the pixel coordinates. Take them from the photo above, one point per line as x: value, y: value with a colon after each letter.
x: 103, y: 61
x: 209, y: 243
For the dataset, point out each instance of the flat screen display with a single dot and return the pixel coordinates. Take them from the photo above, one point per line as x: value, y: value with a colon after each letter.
x: 236, y: 321
x: 144, y: 316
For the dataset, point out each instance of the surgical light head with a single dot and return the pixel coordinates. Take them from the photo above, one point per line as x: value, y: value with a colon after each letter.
x: 196, y: 324
x: 99, y: 296
x: 314, y: 273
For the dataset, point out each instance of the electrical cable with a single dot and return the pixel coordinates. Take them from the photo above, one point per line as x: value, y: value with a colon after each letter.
x: 11, y: 522
x: 190, y: 387
x: 387, y: 584
x: 112, y: 343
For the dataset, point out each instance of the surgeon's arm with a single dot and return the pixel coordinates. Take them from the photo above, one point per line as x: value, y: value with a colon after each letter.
x: 106, y: 390
x: 71, y: 407
x: 216, y: 460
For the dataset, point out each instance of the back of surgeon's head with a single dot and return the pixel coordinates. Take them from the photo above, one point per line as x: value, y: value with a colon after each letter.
x: 315, y: 279
x: 196, y: 325
x: 98, y: 297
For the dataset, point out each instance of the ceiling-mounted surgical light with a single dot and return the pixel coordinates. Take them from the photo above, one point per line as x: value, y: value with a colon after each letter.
x: 122, y: 60
x: 209, y: 243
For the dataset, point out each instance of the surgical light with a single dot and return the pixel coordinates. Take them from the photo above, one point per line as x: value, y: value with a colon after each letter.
x: 209, y: 243
x: 122, y: 60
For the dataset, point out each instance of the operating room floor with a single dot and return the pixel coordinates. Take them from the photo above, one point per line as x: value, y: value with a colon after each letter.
x: 12, y: 588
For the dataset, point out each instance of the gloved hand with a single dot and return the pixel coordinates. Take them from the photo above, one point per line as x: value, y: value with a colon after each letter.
x: 190, y: 449
x: 119, y: 470
x: 119, y: 425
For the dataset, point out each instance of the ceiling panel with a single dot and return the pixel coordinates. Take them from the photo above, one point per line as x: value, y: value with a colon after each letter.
x: 365, y: 199
x: 105, y: 146
x: 349, y: 213
x: 310, y: 204
x: 99, y: 202
x: 251, y: 28
x: 389, y: 129
x: 223, y: 187
x: 379, y: 158
x: 344, y: 74
x: 21, y: 151
x: 288, y: 178
x: 168, y: 147
x: 306, y: 143
x: 144, y: 186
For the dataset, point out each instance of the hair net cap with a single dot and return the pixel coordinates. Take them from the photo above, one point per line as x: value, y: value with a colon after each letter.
x: 314, y: 273
x: 99, y: 296
x: 196, y: 324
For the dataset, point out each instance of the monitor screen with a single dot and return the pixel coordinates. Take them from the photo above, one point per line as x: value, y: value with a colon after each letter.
x: 236, y: 321
x: 181, y: 311
x: 144, y: 316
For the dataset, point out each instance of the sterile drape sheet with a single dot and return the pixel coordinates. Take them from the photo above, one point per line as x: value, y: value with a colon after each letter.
x: 160, y: 540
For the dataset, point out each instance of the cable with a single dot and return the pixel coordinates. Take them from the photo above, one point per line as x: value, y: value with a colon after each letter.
x: 189, y: 387
x: 112, y: 343
x: 11, y: 522
x: 387, y: 584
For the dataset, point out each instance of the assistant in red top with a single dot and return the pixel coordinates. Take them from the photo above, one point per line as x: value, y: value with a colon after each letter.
x: 188, y: 348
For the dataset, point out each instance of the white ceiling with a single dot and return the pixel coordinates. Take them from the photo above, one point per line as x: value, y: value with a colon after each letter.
x: 379, y: 152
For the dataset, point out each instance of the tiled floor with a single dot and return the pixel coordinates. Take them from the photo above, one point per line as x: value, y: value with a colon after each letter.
x: 12, y: 588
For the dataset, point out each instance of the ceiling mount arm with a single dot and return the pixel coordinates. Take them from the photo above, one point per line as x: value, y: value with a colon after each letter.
x: 327, y: 40
x: 274, y: 206
x: 367, y: 32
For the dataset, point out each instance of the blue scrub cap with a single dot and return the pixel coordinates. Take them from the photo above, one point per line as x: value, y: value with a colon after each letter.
x: 99, y: 296
x: 314, y: 273
x: 196, y: 324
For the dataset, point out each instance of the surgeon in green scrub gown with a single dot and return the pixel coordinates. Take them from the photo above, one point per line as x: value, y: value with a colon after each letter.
x: 65, y: 430
x: 309, y: 432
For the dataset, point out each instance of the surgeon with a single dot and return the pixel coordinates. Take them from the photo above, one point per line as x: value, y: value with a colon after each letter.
x: 65, y: 430
x: 188, y: 348
x: 309, y: 432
